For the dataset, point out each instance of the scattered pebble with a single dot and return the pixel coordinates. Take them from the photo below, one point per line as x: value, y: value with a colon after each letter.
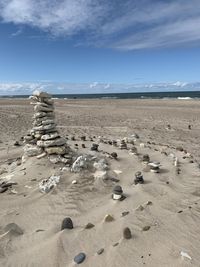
x: 138, y: 178
x: 14, y: 229
x: 114, y: 155
x: 100, y: 251
x: 127, y: 233
x: 146, y: 228
x: 79, y: 258
x: 74, y: 182
x: 125, y: 213
x: 139, y: 208
x: 89, y: 226
x: 67, y: 224
x: 115, y: 244
x: 108, y: 218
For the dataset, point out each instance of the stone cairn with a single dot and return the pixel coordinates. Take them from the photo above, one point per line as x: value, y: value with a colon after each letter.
x: 44, y: 139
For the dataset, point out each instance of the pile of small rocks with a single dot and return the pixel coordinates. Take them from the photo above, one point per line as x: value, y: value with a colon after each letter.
x: 44, y: 139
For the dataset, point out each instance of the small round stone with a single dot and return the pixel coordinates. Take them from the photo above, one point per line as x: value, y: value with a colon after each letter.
x: 127, y: 233
x: 146, y: 228
x: 100, y: 251
x: 108, y: 218
x: 89, y: 226
x: 79, y: 258
x: 67, y: 224
x: 114, y: 155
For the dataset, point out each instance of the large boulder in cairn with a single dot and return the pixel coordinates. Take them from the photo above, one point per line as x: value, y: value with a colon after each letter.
x: 59, y: 150
x: 32, y: 150
x: 54, y: 142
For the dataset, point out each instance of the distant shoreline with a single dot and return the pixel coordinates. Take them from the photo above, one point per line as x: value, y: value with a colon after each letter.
x: 181, y: 95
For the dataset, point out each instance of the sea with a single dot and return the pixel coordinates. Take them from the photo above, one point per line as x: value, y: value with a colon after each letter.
x: 142, y: 95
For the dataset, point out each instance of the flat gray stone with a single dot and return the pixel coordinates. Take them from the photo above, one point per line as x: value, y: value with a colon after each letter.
x: 14, y: 229
x: 79, y: 258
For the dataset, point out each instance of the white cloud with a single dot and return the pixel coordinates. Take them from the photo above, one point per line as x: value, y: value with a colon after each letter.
x: 128, y: 24
x: 63, y: 17
x: 94, y: 84
x: 85, y: 88
x: 107, y: 86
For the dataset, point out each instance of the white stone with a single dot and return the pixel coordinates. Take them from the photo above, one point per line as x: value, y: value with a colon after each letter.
x: 79, y: 164
x: 116, y: 197
x: 47, y: 184
x: 41, y: 94
x: 41, y: 155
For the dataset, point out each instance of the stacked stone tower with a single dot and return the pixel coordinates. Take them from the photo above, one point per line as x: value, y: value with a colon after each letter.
x: 44, y: 139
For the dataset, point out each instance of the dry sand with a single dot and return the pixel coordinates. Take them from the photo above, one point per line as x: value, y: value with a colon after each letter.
x: 173, y: 216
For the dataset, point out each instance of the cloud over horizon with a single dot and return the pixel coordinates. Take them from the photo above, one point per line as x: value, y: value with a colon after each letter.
x: 124, y: 25
x: 97, y: 88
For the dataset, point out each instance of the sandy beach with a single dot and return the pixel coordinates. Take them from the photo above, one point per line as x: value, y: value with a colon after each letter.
x: 163, y: 213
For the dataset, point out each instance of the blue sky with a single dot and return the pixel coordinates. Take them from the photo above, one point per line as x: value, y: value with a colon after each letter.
x: 99, y: 45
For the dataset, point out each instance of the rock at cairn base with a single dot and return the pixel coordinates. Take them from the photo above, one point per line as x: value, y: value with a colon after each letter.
x: 44, y: 137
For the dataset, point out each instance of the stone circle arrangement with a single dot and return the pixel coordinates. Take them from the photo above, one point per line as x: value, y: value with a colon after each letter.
x: 44, y: 138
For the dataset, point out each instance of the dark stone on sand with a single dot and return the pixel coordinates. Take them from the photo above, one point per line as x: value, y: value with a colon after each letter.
x: 14, y: 229
x: 4, y: 185
x: 67, y: 224
x: 138, y: 178
x: 83, y: 145
x: 79, y: 258
x: 179, y: 148
x: 146, y: 228
x: 114, y: 155
x: 100, y: 251
x: 146, y: 158
x: 83, y: 138
x: 117, y: 190
x: 124, y: 213
x: 16, y: 143
x: 115, y: 244
x: 2, y: 190
x: 94, y: 147
x: 127, y: 233
x: 89, y: 226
